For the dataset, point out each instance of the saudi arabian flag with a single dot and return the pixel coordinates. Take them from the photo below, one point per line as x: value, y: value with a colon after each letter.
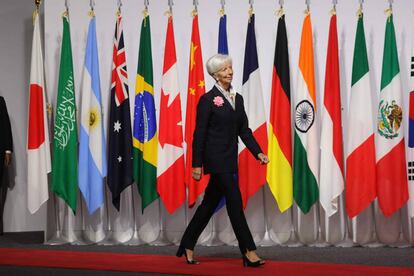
x: 65, y: 140
x: 306, y: 146
x: 145, y: 141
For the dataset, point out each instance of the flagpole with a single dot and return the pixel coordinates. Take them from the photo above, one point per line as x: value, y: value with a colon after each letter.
x: 135, y: 239
x: 326, y: 216
x: 267, y: 240
x: 109, y: 239
x: 162, y: 239
x: 80, y: 240
x: 214, y: 239
x: 57, y: 238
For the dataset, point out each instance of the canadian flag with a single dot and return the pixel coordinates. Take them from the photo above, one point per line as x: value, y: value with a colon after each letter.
x: 170, y: 170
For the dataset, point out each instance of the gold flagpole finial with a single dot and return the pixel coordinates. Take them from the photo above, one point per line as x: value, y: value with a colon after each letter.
x: 221, y: 10
x: 334, y: 3
x: 280, y: 12
x: 145, y: 11
x: 36, y: 11
x: 118, y: 12
x: 389, y: 10
x: 194, y: 12
x: 307, y: 11
x: 169, y: 12
x: 360, y: 11
x: 251, y: 11
x: 66, y: 12
x: 91, y: 12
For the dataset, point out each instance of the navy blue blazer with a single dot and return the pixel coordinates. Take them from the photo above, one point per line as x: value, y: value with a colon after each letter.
x: 215, y: 140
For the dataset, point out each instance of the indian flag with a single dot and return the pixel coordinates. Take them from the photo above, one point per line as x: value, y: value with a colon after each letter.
x: 306, y: 146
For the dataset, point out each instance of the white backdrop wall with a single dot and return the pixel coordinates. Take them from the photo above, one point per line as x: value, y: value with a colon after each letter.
x: 16, y: 30
x: 17, y: 218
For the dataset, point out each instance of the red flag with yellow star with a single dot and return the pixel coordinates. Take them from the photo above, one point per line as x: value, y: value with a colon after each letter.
x: 196, y: 88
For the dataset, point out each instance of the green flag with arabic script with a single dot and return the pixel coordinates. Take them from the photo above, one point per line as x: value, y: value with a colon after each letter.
x: 65, y: 140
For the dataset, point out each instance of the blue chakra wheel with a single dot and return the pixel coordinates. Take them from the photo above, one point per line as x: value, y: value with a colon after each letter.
x: 304, y: 116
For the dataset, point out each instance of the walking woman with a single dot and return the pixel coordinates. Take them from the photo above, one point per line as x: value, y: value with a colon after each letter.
x: 221, y: 119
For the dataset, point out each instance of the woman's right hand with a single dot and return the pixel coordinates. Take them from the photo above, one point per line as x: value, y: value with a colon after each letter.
x: 197, y: 173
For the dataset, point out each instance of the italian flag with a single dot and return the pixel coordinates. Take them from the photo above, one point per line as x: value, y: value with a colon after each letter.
x: 391, y: 168
x: 306, y: 146
x: 360, y: 162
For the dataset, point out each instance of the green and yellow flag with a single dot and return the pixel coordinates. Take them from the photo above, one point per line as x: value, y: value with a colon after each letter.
x: 145, y: 140
x: 65, y: 140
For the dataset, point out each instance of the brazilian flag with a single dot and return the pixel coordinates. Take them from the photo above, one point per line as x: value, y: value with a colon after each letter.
x: 145, y: 140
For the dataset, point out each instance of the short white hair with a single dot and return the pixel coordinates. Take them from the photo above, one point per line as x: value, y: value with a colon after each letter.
x: 217, y: 62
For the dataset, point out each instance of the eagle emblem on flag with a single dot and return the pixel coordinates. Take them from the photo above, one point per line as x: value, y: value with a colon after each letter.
x: 389, y: 119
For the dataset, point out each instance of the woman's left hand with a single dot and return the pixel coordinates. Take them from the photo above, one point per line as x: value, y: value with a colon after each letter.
x: 263, y: 158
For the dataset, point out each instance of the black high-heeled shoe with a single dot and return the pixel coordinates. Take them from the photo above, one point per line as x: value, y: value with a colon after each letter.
x: 181, y: 251
x: 247, y: 262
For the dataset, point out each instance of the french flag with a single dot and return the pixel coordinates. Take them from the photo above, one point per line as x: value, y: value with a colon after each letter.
x: 252, y: 176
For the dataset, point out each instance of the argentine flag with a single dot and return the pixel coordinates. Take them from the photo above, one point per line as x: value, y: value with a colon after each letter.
x: 92, y: 162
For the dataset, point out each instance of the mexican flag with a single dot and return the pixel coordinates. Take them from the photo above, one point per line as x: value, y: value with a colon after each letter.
x: 391, y: 167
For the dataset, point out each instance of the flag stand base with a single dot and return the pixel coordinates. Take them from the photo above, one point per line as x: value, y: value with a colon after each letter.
x: 266, y: 241
x: 214, y: 240
x: 161, y: 240
x: 109, y: 240
x: 135, y: 240
x: 57, y: 239
x: 80, y: 242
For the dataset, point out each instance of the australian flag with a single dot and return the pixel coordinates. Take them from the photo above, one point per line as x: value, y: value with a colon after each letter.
x: 120, y: 135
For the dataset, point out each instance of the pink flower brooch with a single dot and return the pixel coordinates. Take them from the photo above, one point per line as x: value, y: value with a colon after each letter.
x: 218, y: 101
